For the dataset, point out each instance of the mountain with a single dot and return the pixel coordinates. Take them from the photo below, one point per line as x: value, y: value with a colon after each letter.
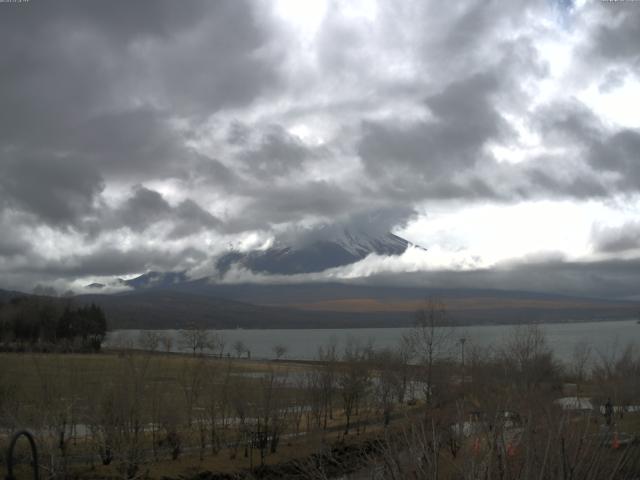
x: 343, y: 248
x: 338, y: 305
x: 333, y: 305
x: 162, y: 280
x: 6, y: 295
x: 171, y: 299
x: 156, y: 280
x: 159, y: 309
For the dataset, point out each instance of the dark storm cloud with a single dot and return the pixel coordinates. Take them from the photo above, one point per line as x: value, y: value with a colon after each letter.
x: 276, y: 154
x: 619, y: 153
x: 617, y: 239
x: 545, y: 180
x: 568, y: 122
x: 292, y: 203
x: 89, y: 92
x: 147, y: 207
x: 144, y: 208
x: 113, y: 261
x: 238, y: 133
x: 11, y: 243
x: 604, y: 149
x: 612, y: 278
x: 56, y: 189
x: 133, y: 143
x: 72, y: 57
x: 212, y: 172
x: 617, y: 39
x: 191, y: 218
x: 201, y: 98
x: 427, y: 154
x: 600, y: 279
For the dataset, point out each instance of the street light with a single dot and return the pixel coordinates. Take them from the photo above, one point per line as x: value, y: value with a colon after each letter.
x: 462, y: 342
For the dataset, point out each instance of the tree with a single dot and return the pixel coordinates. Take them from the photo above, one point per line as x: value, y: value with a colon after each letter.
x: 580, y: 360
x: 528, y: 357
x: 239, y: 347
x: 194, y: 339
x: 354, y: 379
x: 385, y: 364
x: 148, y: 340
x: 279, y: 351
x: 93, y: 326
x: 327, y: 381
x: 431, y: 339
x: 217, y: 343
x: 191, y: 381
x: 166, y: 341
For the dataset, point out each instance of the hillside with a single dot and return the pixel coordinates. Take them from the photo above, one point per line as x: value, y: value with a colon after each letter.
x: 159, y: 309
x: 333, y: 305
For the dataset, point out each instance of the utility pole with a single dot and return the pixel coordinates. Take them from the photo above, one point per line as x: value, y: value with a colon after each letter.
x: 462, y: 342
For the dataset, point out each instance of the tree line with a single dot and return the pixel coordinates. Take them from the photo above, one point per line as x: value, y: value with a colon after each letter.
x: 46, y: 324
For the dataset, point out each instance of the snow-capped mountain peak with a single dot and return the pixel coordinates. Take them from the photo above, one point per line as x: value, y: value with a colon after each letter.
x: 341, y: 247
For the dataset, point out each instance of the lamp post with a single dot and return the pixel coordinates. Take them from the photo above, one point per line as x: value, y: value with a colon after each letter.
x: 462, y: 342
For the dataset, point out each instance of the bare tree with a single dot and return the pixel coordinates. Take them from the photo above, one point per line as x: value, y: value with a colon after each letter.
x: 239, y: 347
x: 279, y: 350
x: 166, y: 341
x: 194, y: 339
x: 191, y: 381
x: 327, y: 381
x: 527, y: 356
x: 217, y: 344
x: 271, y: 410
x: 431, y: 339
x: 617, y: 376
x: 120, y: 415
x: 148, y: 340
x: 580, y: 363
x: 401, y: 358
x: 385, y: 384
x: 354, y: 379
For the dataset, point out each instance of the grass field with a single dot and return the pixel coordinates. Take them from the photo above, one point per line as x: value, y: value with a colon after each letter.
x: 128, y: 414
x: 136, y: 401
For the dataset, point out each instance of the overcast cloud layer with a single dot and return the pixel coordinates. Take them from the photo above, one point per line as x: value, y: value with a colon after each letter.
x: 502, y: 136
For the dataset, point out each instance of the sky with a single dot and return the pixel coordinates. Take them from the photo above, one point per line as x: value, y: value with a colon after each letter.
x: 503, y: 137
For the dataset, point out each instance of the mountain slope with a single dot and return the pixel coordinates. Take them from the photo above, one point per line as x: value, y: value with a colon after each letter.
x: 160, y: 309
x: 341, y: 249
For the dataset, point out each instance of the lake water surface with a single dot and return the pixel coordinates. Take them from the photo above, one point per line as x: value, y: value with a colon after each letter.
x: 603, y: 337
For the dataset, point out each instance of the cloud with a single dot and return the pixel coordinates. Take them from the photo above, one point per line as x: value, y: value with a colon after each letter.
x: 616, y: 34
x: 277, y: 153
x: 55, y: 189
x: 374, y: 223
x: 598, y: 279
x: 617, y: 239
x: 173, y: 130
x: 148, y: 207
x: 113, y: 261
x: 12, y: 244
x: 619, y: 153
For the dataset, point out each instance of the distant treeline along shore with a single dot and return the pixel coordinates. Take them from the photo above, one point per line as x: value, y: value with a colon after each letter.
x: 46, y: 324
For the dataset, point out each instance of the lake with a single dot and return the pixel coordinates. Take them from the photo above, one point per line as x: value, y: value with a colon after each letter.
x: 603, y: 337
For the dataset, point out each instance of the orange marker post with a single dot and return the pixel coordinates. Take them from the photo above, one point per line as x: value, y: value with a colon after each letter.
x: 616, y: 442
